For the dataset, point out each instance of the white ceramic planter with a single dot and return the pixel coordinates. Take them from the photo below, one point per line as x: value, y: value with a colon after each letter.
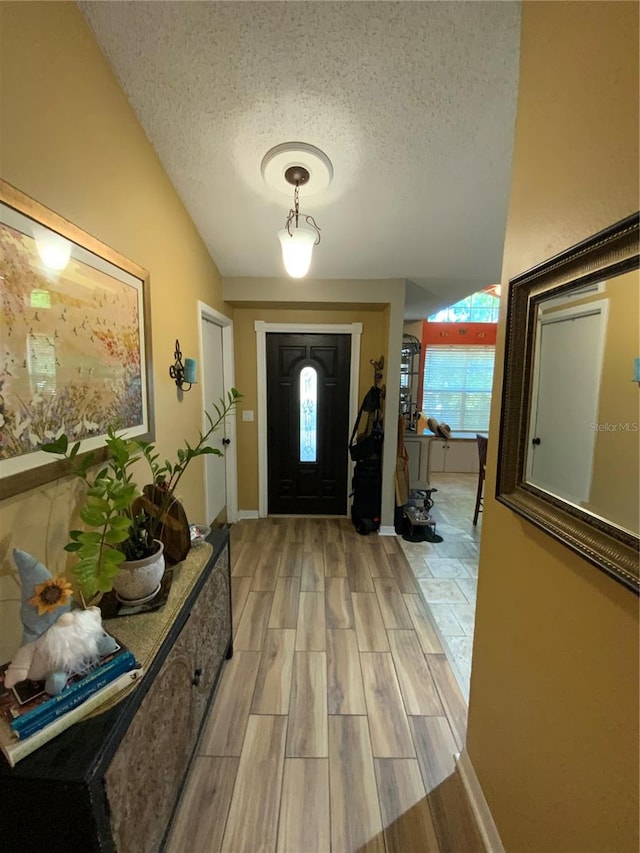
x: 139, y: 580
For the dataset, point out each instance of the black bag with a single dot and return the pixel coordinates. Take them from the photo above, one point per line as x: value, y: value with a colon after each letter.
x: 367, y: 496
x: 370, y: 444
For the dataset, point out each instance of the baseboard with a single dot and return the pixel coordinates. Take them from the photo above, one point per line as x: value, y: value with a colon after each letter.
x: 479, y: 805
x: 247, y: 513
x: 387, y: 531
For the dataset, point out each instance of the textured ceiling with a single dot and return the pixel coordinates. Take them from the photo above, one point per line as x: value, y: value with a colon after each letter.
x: 413, y: 102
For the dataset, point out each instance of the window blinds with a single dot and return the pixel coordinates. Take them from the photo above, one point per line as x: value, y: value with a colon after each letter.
x: 457, y: 386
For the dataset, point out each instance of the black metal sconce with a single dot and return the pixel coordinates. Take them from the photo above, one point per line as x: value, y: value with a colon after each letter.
x: 183, y: 374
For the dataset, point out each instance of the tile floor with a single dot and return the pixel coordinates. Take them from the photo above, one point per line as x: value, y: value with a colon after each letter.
x: 447, y: 571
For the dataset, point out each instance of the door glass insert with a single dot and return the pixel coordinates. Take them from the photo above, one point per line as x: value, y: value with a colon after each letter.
x: 308, y: 414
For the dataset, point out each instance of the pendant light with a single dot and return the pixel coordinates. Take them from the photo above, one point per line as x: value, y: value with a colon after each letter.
x: 298, y: 240
x: 297, y: 164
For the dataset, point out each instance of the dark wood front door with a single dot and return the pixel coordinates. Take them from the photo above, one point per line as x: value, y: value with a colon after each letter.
x: 308, y: 422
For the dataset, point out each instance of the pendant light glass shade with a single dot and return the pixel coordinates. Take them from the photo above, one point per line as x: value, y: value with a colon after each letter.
x: 297, y: 249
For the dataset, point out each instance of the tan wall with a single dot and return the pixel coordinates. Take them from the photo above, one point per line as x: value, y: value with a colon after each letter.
x: 70, y: 140
x: 373, y: 343
x: 614, y: 489
x: 553, y: 714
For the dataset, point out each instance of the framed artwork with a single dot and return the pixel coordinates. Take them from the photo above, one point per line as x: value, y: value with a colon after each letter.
x: 75, y: 342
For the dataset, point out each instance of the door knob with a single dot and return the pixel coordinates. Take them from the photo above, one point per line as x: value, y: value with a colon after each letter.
x: 197, y: 673
x: 536, y: 441
x: 226, y: 441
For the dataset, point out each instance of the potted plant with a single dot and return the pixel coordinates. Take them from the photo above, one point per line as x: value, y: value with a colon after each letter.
x: 119, y: 527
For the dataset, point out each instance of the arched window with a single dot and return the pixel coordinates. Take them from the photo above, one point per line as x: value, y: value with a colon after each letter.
x: 308, y: 414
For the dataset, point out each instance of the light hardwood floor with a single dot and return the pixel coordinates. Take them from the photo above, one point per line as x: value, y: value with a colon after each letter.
x: 336, y: 721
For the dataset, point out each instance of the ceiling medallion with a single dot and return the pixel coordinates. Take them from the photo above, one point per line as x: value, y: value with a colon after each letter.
x: 297, y: 164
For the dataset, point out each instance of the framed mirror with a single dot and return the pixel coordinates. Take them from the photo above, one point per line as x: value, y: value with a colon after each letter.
x: 569, y: 451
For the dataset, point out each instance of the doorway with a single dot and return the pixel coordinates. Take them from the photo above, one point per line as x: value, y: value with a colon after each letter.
x: 308, y: 422
x: 353, y: 333
x: 564, y: 403
x: 217, y: 376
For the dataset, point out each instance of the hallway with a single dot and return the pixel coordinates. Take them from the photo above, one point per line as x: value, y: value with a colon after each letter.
x: 336, y: 721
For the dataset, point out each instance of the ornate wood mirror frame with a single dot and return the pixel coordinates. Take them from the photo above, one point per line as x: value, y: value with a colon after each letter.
x: 610, y: 547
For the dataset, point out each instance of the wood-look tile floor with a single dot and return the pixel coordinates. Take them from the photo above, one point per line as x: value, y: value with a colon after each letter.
x: 335, y: 723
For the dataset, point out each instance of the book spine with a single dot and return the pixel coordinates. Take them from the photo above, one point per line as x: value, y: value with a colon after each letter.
x: 19, y: 749
x: 72, y: 696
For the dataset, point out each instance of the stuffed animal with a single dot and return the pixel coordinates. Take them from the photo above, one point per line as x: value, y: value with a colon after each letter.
x: 58, y: 641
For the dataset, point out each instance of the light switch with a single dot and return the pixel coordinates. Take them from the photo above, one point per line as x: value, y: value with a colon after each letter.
x: 247, y: 415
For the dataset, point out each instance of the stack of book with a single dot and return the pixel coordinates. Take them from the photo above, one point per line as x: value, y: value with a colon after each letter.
x: 30, y: 717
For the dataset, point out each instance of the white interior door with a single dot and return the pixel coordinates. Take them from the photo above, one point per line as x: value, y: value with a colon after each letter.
x: 214, y: 390
x: 565, y: 403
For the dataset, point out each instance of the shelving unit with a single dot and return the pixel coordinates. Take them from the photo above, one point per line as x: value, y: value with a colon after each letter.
x: 410, y: 379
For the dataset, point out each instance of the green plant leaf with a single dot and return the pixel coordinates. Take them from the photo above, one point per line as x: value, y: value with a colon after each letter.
x: 92, y: 517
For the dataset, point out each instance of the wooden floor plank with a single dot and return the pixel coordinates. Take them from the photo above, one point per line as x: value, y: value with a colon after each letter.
x: 377, y: 558
x: 240, y: 587
x: 311, y: 625
x: 284, y: 610
x: 390, y: 734
x: 394, y: 612
x: 453, y: 702
x: 273, y: 683
x: 453, y: 819
x: 252, y: 824
x: 358, y: 573
x: 356, y: 824
x: 313, y: 535
x: 403, y: 574
x: 254, y: 621
x: 304, y: 825
x: 338, y: 609
x: 422, y: 625
x: 335, y: 565
x: 204, y: 805
x: 344, y: 676
x: 266, y: 573
x: 406, y: 815
x: 290, y: 564
x: 414, y: 676
x: 244, y: 564
x: 435, y: 748
x: 312, y: 572
x: 307, y: 734
x: 223, y: 732
x: 370, y: 630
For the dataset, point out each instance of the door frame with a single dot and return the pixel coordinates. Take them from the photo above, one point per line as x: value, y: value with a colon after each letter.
x: 208, y: 314
x: 262, y: 329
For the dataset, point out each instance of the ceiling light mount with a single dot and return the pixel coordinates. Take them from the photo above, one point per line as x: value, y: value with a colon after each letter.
x: 297, y: 164
x: 297, y: 176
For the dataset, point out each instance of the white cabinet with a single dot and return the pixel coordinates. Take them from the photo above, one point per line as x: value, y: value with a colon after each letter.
x: 430, y: 455
x: 453, y: 456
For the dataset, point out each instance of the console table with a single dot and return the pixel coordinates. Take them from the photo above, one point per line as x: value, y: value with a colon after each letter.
x: 111, y: 782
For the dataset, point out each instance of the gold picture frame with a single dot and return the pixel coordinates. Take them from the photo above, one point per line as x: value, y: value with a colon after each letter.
x: 75, y: 331
x: 596, y: 536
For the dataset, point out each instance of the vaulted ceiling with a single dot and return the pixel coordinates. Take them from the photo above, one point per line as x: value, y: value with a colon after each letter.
x: 413, y: 103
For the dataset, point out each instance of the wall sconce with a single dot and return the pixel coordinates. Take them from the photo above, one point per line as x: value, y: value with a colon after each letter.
x: 297, y: 164
x: 183, y: 374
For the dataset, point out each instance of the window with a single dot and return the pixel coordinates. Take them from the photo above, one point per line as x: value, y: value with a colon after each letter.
x: 481, y: 307
x: 308, y: 413
x: 457, y: 386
